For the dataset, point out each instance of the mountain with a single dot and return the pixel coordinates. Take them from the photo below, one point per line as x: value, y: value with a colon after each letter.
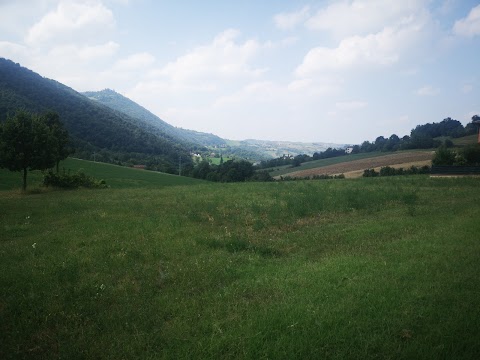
x: 120, y: 103
x: 112, y: 136
x: 251, y: 149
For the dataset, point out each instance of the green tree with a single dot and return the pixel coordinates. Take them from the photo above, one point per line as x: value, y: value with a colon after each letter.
x: 444, y: 156
x: 26, y: 144
x: 60, y: 138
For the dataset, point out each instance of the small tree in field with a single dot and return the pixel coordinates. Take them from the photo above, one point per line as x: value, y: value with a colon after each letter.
x: 26, y: 143
x: 60, y: 138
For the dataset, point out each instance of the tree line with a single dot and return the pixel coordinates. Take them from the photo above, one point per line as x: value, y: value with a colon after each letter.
x: 229, y: 171
x: 421, y: 137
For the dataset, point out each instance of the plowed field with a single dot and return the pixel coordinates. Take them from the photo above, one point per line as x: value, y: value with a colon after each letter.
x: 401, y: 159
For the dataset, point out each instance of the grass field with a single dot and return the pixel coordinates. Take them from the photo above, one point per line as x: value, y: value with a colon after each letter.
x: 117, y: 177
x: 466, y: 140
x: 382, y: 268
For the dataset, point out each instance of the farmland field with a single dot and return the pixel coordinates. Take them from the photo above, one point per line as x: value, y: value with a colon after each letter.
x: 404, y: 159
x: 334, y: 269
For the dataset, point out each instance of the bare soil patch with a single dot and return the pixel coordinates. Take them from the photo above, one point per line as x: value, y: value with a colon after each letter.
x: 355, y: 168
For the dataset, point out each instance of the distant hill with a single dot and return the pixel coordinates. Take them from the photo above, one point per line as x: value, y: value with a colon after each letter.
x: 256, y: 149
x: 275, y: 149
x: 120, y: 103
x: 112, y: 136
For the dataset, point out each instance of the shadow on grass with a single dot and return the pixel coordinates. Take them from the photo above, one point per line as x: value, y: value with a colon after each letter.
x: 236, y: 245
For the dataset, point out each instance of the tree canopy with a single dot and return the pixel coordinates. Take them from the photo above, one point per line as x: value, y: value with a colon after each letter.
x: 32, y: 142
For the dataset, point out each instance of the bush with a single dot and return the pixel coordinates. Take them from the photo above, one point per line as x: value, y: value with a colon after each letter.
x: 72, y: 181
x: 370, y: 173
x: 444, y: 156
x: 471, y: 155
x: 390, y: 171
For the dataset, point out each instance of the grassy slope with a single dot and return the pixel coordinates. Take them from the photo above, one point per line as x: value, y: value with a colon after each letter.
x: 369, y: 268
x: 116, y: 176
x: 466, y: 140
x: 284, y: 170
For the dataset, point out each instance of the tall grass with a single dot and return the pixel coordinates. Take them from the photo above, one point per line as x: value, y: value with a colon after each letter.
x: 369, y: 268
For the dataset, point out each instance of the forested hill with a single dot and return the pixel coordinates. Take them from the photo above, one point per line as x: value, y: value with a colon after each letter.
x: 119, y: 102
x: 95, y: 128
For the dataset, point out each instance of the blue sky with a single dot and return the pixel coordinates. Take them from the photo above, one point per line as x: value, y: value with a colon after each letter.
x: 331, y: 71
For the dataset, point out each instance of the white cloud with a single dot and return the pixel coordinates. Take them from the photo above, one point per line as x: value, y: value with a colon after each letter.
x: 382, y: 48
x: 469, y: 26
x: 134, y: 62
x: 361, y: 17
x: 467, y: 88
x: 86, y: 19
x: 84, y: 53
x: 427, y: 90
x: 223, y: 59
x: 13, y: 51
x: 288, y: 21
x: 378, y: 49
x: 351, y: 105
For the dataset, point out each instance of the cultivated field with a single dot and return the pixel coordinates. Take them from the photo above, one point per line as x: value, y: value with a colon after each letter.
x: 383, y: 268
x: 355, y: 168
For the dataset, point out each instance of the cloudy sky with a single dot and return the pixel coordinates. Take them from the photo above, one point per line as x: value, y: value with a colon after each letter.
x: 334, y: 71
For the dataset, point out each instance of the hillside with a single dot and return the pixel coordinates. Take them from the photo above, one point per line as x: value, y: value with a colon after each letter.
x: 120, y: 103
x: 93, y: 127
x: 353, y: 165
x: 116, y: 177
x: 250, y: 149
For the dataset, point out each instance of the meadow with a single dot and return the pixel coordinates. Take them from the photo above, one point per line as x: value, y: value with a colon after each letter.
x: 118, y: 177
x: 371, y: 268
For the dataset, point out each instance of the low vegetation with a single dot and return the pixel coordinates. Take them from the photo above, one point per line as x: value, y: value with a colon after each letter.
x: 67, y: 180
x: 365, y: 268
x: 390, y: 171
x: 465, y: 156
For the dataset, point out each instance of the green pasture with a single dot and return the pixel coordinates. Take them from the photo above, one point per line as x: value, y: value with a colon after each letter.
x: 466, y: 140
x: 117, y: 177
x: 383, y: 268
x: 217, y: 160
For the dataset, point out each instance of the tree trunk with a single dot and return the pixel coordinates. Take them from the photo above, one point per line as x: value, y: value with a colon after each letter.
x: 24, y: 179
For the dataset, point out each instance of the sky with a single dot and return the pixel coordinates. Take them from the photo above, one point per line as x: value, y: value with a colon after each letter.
x: 340, y: 71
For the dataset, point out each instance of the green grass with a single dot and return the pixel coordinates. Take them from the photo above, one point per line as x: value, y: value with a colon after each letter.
x: 352, y: 269
x: 117, y: 177
x: 466, y: 140
x: 216, y: 160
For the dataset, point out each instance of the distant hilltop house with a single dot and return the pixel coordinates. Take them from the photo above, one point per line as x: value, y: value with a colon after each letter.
x: 287, y: 156
x: 141, y: 167
x: 348, y: 150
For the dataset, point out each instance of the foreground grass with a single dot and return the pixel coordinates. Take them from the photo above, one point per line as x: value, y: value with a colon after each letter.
x: 370, y: 268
